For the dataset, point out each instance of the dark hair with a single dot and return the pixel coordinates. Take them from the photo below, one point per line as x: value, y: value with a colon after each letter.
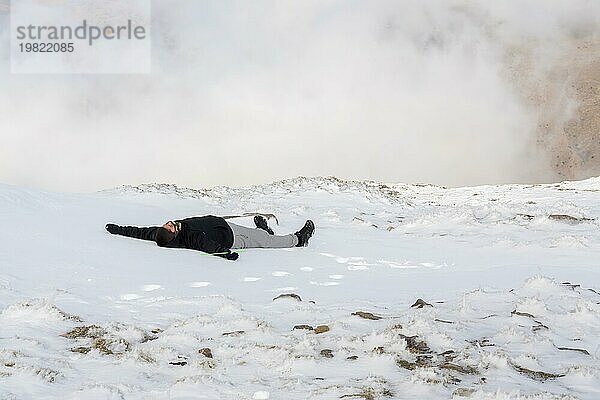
x: 164, y: 236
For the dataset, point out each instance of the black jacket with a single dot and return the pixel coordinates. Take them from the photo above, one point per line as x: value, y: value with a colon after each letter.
x: 209, y: 234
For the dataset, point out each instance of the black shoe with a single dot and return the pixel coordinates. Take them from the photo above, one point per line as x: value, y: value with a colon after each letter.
x: 305, y: 233
x: 261, y: 223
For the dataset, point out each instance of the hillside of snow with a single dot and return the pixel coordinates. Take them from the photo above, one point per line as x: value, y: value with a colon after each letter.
x: 405, y: 292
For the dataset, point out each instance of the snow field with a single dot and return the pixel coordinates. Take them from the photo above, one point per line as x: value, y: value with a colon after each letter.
x: 507, y: 276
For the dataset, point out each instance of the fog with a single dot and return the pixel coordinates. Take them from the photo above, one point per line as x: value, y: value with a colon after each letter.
x: 445, y: 92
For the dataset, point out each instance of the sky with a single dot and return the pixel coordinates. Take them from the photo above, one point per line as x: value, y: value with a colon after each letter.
x: 249, y: 92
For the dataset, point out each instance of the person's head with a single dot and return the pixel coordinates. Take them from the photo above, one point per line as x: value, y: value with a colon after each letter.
x: 167, y: 233
x: 173, y: 226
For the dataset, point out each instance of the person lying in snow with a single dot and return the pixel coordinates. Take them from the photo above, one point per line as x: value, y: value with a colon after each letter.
x: 214, y: 235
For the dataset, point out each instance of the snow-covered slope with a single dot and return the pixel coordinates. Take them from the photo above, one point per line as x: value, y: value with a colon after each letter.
x: 88, y: 315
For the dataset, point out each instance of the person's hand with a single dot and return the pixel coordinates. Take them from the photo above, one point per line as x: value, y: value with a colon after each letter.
x: 112, y: 228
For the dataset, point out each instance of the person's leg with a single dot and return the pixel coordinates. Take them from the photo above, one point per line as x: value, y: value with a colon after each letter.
x: 248, y: 238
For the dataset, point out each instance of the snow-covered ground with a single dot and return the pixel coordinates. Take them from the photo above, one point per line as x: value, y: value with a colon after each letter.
x: 88, y: 315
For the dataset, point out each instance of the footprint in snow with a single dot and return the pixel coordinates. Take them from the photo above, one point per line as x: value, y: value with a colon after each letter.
x: 354, y: 263
x: 350, y: 260
x: 150, y: 288
x: 328, y: 255
x: 306, y: 269
x: 357, y: 267
x: 284, y: 289
x: 130, y: 296
x: 261, y: 395
x: 397, y: 265
x: 200, y: 284
x: 411, y: 265
x: 251, y: 279
x: 324, y: 283
x: 280, y: 273
x: 336, y: 276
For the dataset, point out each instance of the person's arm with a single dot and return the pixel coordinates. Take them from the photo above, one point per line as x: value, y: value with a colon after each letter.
x: 133, y: 231
x: 199, y: 241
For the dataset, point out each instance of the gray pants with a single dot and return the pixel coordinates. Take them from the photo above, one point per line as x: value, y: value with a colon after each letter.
x: 248, y: 238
